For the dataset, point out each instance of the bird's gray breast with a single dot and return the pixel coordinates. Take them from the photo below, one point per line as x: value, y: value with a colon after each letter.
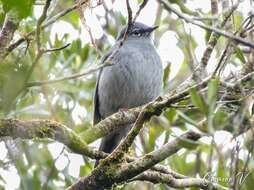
x: 134, y: 79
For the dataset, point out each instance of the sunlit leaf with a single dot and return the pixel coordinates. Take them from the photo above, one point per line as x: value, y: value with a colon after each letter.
x: 188, y: 144
x: 198, y: 100
x: 213, y: 86
x: 240, y: 55
x: 166, y: 75
x: 23, y: 7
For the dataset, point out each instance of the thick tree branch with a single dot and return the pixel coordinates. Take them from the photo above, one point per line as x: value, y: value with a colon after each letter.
x: 110, y: 124
x: 37, y: 129
x: 46, y: 129
x: 156, y: 177
x: 138, y: 166
x: 108, y: 172
x: 121, y: 118
x: 111, y: 165
x: 11, y: 23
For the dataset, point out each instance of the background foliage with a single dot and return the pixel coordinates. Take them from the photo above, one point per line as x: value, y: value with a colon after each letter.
x: 48, y: 165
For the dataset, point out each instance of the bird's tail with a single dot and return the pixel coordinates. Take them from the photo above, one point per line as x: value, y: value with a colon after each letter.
x: 110, y: 142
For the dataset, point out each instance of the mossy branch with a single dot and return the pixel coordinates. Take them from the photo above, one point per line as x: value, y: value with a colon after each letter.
x: 35, y: 129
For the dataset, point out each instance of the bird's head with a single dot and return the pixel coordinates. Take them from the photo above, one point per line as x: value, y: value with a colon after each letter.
x: 138, y: 30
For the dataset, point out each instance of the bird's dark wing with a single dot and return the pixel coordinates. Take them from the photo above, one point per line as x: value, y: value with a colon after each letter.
x: 97, y: 116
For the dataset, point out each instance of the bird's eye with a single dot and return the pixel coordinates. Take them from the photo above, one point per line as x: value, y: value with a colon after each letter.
x: 136, y: 33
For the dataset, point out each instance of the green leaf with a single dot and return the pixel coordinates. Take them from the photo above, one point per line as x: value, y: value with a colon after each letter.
x: 239, y: 55
x: 12, y: 80
x: 170, y: 114
x: 212, y: 92
x: 84, y: 170
x: 220, y: 119
x: 23, y: 7
x: 188, y: 144
x: 166, y: 75
x: 198, y: 100
x: 152, y: 138
x: 2, y: 15
x: 183, y: 7
x: 85, y: 52
x: 238, y: 19
x: 186, y: 118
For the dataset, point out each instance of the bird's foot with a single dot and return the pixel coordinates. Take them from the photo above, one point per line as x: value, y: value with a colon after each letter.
x: 123, y: 109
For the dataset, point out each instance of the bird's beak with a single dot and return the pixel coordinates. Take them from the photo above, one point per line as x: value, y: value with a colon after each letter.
x: 151, y: 29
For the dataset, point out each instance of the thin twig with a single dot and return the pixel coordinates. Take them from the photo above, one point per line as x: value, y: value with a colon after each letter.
x: 51, y: 172
x: 131, y: 20
x: 214, y: 9
x: 57, y: 49
x: 168, y: 179
x: 43, y: 26
x: 225, y: 55
x: 75, y: 76
x: 39, y: 23
x: 141, y: 6
x: 39, y: 50
x: 83, y: 21
x: 129, y: 24
x: 206, y: 27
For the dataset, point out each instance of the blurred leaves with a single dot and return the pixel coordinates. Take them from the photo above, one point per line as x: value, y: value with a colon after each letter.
x: 213, y: 87
x: 166, y: 75
x: 239, y: 55
x: 198, y: 100
x: 183, y: 7
x: 70, y: 102
x: 23, y: 7
x: 12, y: 78
x: 188, y: 144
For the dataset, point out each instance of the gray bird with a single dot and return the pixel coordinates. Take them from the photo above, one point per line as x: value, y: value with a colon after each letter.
x: 134, y: 79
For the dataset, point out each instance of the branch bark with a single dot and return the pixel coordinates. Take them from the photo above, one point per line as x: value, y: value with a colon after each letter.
x: 121, y: 118
x: 11, y: 23
x: 178, y: 183
x: 47, y: 129
x: 109, y: 172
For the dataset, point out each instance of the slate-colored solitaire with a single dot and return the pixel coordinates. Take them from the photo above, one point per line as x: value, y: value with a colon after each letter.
x: 134, y: 79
